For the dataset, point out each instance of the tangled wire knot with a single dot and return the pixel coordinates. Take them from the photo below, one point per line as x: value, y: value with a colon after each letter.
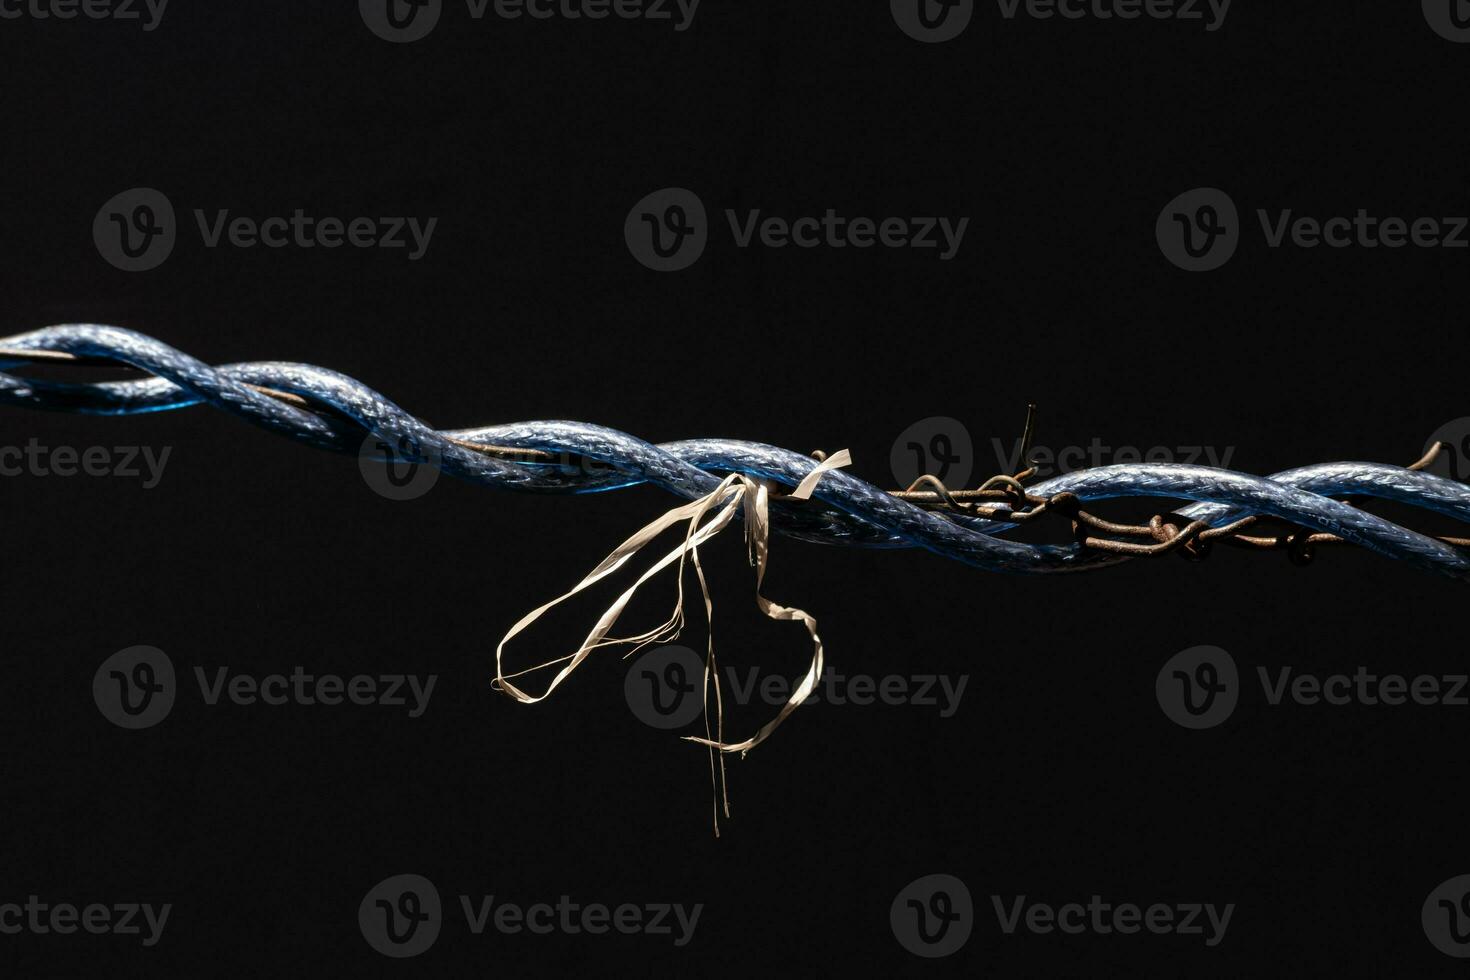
x: 329, y: 410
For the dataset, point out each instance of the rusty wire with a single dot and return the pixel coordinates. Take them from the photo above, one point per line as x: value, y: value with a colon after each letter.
x: 1162, y: 534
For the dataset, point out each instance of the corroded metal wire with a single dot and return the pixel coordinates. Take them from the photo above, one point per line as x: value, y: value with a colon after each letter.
x: 1159, y: 535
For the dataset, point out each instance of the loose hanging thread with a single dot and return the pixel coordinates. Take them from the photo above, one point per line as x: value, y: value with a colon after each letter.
x: 735, y: 494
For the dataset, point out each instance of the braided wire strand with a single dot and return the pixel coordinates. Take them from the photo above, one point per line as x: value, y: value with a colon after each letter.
x: 340, y: 412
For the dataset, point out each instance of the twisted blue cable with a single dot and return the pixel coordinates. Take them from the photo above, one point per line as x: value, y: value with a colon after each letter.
x: 844, y: 510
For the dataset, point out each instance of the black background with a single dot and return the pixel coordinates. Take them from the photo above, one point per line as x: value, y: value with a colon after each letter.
x: 1059, y: 778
